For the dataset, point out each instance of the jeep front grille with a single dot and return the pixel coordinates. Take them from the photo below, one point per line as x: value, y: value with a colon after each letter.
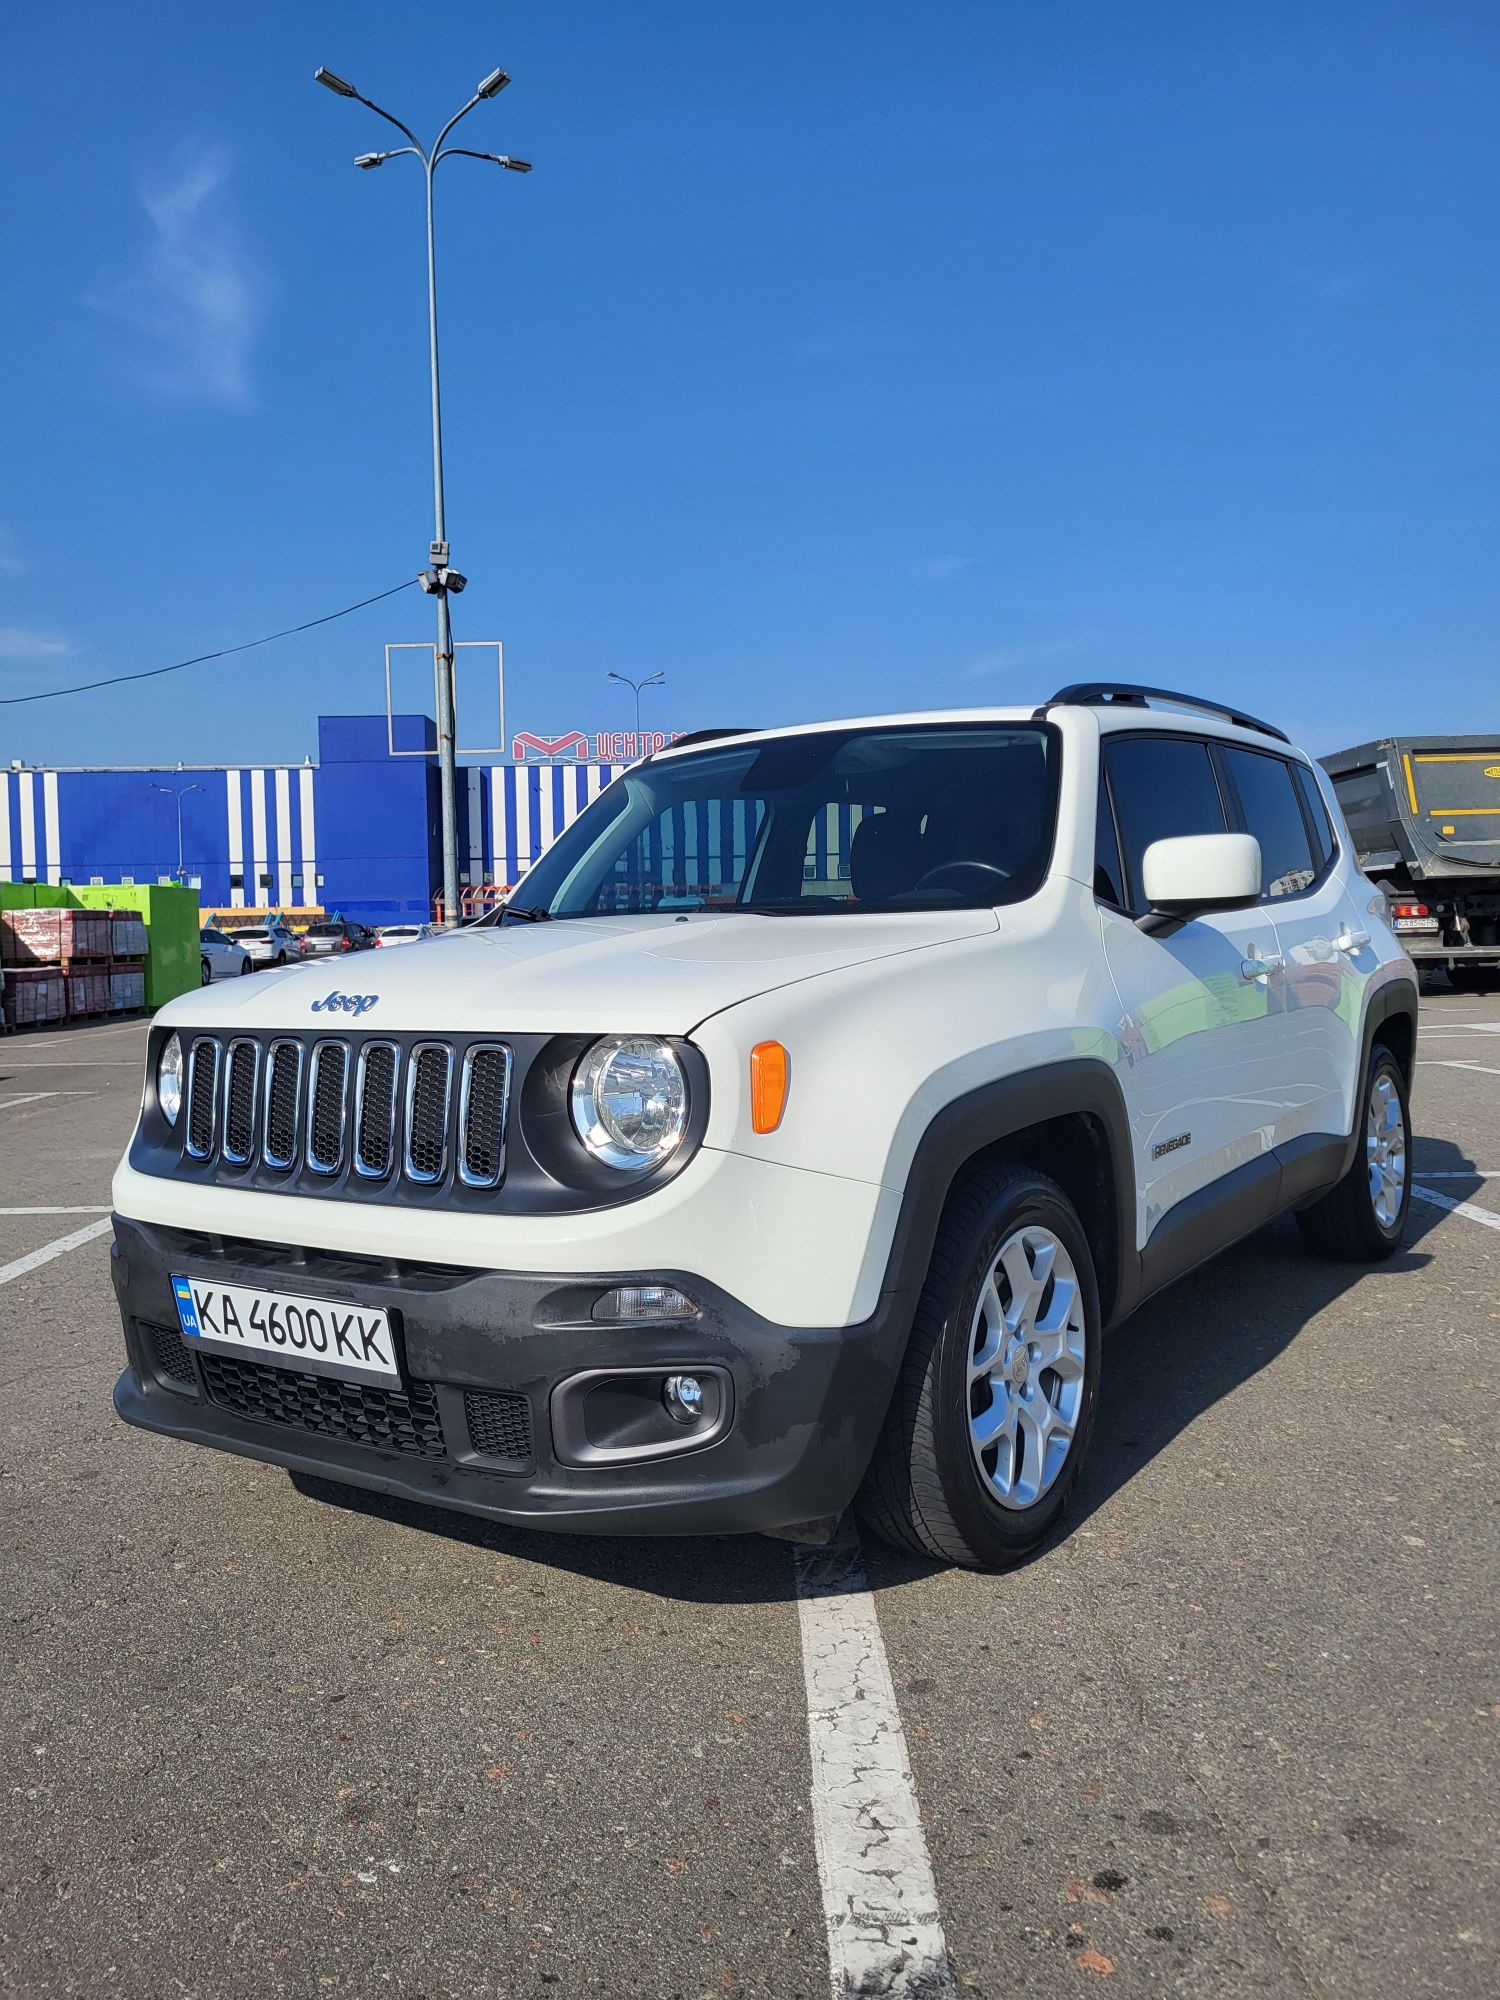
x: 239, y: 1101
x: 326, y: 1108
x: 203, y: 1091
x: 368, y: 1117
x: 283, y: 1095
x: 427, y: 1079
x: 375, y: 1094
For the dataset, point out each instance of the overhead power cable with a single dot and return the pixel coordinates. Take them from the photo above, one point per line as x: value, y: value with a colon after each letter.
x: 223, y: 653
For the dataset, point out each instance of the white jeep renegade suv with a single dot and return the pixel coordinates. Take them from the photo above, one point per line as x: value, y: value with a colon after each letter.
x: 791, y: 1138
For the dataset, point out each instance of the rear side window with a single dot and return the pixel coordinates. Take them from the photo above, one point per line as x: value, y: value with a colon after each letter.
x: 1317, y: 815
x: 1273, y: 813
x: 1162, y: 787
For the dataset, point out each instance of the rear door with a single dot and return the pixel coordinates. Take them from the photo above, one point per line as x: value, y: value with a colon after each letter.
x: 1325, y: 951
x: 1201, y: 1008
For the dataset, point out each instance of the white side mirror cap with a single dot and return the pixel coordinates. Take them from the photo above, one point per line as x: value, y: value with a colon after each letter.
x: 1202, y: 871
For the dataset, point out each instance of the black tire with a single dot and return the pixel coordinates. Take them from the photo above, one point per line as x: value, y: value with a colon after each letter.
x: 246, y: 965
x: 1343, y: 1225
x: 281, y: 958
x: 207, y: 971
x: 924, y: 1491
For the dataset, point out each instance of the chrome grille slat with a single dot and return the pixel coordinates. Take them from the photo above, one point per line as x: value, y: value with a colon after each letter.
x: 375, y: 1109
x: 327, y: 1106
x: 429, y: 1077
x: 483, y: 1102
x: 241, y: 1079
x: 283, y: 1100
x: 202, y: 1097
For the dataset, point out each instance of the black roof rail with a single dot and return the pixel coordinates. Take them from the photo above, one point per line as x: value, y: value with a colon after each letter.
x: 1127, y: 694
x: 705, y: 736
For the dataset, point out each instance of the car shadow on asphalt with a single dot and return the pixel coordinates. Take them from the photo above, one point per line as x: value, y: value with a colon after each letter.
x: 1162, y: 1368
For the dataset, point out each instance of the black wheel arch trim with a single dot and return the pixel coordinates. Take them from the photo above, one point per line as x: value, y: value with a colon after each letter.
x: 987, y: 1116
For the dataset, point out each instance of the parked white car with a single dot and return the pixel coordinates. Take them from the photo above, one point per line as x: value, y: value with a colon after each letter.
x: 792, y: 1138
x: 221, y: 956
x: 273, y: 943
x: 389, y: 934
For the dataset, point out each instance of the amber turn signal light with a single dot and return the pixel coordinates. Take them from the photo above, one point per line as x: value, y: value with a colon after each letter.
x: 770, y: 1075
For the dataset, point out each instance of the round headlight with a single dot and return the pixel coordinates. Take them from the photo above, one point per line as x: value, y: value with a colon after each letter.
x: 169, y: 1079
x: 630, y: 1101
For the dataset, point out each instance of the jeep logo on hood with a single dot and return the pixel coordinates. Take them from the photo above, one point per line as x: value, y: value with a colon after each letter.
x: 345, y: 1003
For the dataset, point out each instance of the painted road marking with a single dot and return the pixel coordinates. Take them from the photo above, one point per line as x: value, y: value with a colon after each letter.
x: 1449, y: 1062
x: 1436, y: 1198
x: 83, y: 1208
x: 36, y: 1258
x: 32, y: 1097
x: 885, y: 1933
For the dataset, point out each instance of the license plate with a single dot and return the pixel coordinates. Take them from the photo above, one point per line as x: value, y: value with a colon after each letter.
x: 1416, y: 923
x: 319, y: 1336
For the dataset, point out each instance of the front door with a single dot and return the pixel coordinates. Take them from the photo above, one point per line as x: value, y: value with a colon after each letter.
x: 1202, y: 1016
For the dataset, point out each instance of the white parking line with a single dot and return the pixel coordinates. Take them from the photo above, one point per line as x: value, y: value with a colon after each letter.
x: 31, y: 1097
x: 1440, y: 1200
x: 82, y: 1208
x: 1449, y: 1062
x: 36, y: 1258
x: 885, y: 1933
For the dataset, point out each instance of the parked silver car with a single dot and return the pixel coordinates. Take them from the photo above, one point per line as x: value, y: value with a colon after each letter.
x: 271, y: 943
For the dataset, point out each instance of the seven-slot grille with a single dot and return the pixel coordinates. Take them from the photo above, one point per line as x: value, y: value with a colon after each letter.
x: 374, y: 1112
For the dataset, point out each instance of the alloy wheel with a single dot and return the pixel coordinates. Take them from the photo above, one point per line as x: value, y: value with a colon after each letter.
x: 1027, y: 1346
x: 1385, y: 1150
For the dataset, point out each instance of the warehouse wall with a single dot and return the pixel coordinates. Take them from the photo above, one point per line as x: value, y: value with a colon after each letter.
x: 365, y: 822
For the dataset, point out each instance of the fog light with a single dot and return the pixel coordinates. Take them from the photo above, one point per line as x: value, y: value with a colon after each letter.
x: 683, y: 1396
x: 638, y: 1302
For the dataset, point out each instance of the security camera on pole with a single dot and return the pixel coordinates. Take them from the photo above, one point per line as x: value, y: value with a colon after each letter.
x: 439, y: 579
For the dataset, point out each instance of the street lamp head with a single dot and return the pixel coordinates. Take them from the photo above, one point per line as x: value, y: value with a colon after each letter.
x: 368, y: 160
x: 516, y: 166
x: 334, y: 83
x: 493, y: 84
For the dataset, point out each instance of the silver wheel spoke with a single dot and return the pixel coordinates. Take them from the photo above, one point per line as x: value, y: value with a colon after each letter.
x: 1032, y: 1360
x: 1385, y: 1151
x: 988, y: 1343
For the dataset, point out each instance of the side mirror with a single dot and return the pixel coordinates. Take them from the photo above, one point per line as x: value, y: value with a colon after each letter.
x: 1202, y: 871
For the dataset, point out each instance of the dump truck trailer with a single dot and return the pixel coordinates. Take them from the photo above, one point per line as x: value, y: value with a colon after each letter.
x: 1425, y: 816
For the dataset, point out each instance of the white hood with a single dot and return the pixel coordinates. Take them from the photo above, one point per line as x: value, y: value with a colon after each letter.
x: 652, y: 974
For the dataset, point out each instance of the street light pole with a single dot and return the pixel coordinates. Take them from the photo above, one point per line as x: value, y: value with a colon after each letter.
x: 651, y: 681
x: 439, y: 579
x: 179, y: 796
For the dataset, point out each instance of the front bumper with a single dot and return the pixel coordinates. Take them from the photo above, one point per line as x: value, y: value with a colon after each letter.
x: 806, y: 1405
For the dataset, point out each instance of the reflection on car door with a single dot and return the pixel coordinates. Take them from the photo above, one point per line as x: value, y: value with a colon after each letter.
x: 1201, y: 1004
x: 1325, y: 955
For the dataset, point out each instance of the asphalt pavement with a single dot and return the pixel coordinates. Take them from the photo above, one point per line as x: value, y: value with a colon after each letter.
x: 1231, y: 1734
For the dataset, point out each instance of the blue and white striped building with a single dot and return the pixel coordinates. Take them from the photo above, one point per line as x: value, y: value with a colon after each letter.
x: 358, y: 831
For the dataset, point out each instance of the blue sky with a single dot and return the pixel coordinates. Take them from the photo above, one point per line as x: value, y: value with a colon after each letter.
x: 835, y: 357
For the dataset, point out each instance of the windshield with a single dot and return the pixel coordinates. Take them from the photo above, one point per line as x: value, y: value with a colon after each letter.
x: 923, y: 817
x: 252, y: 934
x: 324, y: 930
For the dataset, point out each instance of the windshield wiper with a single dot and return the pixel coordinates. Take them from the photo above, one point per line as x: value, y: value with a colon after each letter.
x: 536, y: 915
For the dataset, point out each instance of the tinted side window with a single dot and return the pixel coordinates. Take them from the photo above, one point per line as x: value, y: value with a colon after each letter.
x: 1317, y: 814
x: 1273, y: 814
x: 1162, y: 787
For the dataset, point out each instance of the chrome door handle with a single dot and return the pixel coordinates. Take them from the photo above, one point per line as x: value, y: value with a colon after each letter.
x: 1351, y: 941
x: 1259, y: 968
